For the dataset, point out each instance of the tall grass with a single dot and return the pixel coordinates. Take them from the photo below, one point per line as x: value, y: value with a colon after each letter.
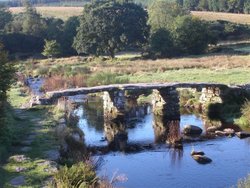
x: 62, y: 82
x: 79, y: 175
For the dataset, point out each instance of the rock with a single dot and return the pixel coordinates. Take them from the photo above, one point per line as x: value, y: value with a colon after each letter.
x: 17, y: 181
x: 202, y: 159
x: 243, y: 134
x: 229, y: 131
x: 20, y: 169
x: 197, y: 153
x: 212, y: 129
x: 192, y: 130
x: 220, y: 133
x: 19, y: 158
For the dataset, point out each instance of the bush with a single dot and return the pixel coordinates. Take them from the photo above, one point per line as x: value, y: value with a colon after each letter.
x: 80, y: 175
x: 161, y: 43
x: 105, y: 78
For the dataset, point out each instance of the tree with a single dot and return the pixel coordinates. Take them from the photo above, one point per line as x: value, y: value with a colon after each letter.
x: 51, y: 48
x: 107, y: 27
x: 191, y: 4
x: 247, y: 7
x: 5, y: 17
x: 162, y: 14
x: 6, y: 75
x: 191, y: 35
x: 69, y: 32
x: 32, y: 23
x: 203, y: 5
x: 161, y: 43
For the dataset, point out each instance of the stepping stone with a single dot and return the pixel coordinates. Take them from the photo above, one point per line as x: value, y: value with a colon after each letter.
x: 17, y: 181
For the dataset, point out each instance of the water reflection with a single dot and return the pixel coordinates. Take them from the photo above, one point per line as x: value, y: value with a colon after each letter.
x: 137, y: 129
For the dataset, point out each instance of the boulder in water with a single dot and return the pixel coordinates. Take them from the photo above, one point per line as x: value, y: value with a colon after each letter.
x: 202, y: 159
x: 243, y: 134
x: 197, y: 153
x: 192, y: 130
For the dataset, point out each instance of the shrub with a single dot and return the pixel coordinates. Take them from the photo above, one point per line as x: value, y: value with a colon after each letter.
x: 79, y: 175
x: 244, y: 120
x: 105, y: 78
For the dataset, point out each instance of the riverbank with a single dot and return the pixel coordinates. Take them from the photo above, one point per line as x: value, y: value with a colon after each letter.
x: 31, y: 160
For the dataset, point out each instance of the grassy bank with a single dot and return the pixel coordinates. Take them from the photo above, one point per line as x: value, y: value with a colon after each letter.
x: 33, y: 137
x: 85, y: 71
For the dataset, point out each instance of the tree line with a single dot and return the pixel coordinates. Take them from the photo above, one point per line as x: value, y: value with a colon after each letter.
x: 165, y: 29
x: 233, y: 6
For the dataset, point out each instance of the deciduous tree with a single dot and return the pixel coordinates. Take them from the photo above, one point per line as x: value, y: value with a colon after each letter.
x: 108, y: 27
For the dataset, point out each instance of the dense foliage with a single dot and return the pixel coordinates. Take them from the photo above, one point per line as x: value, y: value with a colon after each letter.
x: 6, y: 75
x: 175, y: 32
x: 108, y: 27
x: 6, y: 79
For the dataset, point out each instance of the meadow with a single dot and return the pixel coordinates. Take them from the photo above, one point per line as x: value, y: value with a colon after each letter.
x: 231, y: 17
x: 66, y: 12
x: 56, y: 12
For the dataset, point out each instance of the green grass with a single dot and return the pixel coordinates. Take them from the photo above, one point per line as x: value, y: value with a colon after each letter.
x: 227, y: 76
x: 45, y: 140
x: 16, y: 98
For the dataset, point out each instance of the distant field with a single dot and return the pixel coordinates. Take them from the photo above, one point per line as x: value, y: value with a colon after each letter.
x: 66, y: 12
x: 236, y: 18
x: 57, y: 12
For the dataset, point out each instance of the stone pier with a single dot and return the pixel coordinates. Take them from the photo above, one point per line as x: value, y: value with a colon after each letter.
x: 116, y: 134
x: 165, y: 103
x: 114, y: 104
x: 211, y: 95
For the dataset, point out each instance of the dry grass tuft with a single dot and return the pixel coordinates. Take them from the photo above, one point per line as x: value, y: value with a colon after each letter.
x: 59, y: 82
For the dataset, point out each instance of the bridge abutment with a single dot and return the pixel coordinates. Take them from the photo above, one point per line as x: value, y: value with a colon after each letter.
x: 114, y: 104
x: 166, y: 103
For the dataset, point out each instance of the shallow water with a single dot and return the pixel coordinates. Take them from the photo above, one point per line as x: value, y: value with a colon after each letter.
x: 169, y: 168
x: 162, y: 166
